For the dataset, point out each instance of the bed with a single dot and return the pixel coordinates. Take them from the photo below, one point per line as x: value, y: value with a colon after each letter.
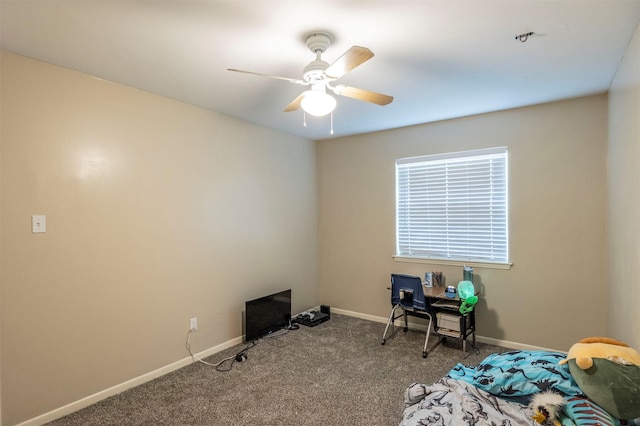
x: 497, y: 392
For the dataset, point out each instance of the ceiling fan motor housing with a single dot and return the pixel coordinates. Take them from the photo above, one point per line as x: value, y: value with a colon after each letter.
x: 314, y: 71
x: 317, y: 43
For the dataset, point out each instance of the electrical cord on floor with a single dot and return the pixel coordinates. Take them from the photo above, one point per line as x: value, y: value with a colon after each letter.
x: 239, y: 357
x: 292, y: 325
x: 276, y: 334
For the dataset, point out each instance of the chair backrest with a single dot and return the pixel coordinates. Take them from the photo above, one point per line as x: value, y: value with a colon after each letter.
x: 406, y: 290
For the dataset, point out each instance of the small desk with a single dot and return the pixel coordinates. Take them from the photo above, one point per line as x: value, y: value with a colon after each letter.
x: 437, y: 302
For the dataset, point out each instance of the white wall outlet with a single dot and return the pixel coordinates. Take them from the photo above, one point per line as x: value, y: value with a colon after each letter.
x: 38, y: 224
x: 193, y: 324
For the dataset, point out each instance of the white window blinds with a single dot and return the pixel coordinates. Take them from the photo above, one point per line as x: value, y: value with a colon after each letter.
x: 453, y: 206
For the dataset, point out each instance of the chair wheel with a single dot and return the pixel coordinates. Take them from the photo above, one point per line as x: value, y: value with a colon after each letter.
x: 424, y: 354
x: 382, y: 342
x: 406, y: 329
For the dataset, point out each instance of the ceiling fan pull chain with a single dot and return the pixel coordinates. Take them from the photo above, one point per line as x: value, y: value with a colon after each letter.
x: 304, y: 118
x: 331, y: 122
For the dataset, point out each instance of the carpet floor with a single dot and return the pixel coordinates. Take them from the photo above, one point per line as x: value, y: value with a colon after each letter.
x: 336, y: 373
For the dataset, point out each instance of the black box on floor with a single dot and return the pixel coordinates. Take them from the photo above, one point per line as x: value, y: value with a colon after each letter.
x: 326, y: 309
x: 312, y: 320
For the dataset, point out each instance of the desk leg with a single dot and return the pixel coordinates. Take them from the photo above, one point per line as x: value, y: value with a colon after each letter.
x: 473, y: 326
x: 464, y: 333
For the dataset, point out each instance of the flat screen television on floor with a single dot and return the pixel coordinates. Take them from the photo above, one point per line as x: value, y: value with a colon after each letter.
x: 267, y: 314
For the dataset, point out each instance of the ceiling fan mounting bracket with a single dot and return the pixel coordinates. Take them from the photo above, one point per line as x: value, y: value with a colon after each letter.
x: 318, y: 42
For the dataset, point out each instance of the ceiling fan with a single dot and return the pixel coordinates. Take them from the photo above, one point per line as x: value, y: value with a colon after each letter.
x: 320, y: 76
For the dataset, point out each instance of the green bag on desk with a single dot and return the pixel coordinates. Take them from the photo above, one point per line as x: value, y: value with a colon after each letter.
x: 468, y: 299
x: 467, y: 304
x: 465, y: 289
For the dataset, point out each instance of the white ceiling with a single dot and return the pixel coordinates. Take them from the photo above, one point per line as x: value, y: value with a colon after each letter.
x: 439, y: 59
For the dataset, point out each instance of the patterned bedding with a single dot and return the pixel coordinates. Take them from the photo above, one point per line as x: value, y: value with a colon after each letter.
x: 497, y: 392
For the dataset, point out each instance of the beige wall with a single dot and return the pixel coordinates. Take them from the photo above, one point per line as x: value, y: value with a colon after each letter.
x: 624, y: 197
x: 1, y: 246
x: 555, y: 292
x: 156, y: 212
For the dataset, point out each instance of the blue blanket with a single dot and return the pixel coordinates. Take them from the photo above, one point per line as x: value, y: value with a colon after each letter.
x: 498, y: 390
x: 519, y: 374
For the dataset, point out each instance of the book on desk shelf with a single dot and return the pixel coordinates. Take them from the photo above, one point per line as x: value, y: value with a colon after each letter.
x: 447, y: 332
x: 447, y: 304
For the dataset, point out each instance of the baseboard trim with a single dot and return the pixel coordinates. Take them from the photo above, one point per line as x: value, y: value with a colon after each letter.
x: 136, y: 381
x: 423, y: 327
x: 147, y: 377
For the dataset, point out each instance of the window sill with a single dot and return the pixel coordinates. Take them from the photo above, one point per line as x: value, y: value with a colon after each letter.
x: 489, y: 265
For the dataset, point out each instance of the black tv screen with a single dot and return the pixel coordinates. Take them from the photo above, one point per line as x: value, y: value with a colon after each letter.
x: 267, y: 314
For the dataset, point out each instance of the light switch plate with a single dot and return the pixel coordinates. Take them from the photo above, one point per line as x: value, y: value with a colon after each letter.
x: 38, y: 224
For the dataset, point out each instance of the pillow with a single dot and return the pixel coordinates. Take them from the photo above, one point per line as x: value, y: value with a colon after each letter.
x: 612, y: 386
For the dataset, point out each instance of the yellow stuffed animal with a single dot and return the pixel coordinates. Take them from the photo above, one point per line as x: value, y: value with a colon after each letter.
x: 601, y: 347
x: 608, y: 372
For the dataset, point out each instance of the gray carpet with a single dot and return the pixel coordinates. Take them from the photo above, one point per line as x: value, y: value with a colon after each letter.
x: 336, y: 373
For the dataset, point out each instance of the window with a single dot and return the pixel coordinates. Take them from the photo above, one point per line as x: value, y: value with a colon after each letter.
x: 453, y: 206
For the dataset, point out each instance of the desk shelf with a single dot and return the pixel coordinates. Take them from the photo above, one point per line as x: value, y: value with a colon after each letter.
x: 449, y: 322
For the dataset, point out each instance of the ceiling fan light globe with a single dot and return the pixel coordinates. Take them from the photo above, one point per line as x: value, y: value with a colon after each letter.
x: 318, y: 103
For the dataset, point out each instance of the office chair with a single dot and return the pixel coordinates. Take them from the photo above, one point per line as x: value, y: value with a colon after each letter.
x: 407, y: 295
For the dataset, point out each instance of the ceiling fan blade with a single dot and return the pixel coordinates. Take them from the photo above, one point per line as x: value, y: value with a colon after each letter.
x: 295, y: 104
x: 362, y: 95
x: 291, y: 80
x: 350, y: 59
